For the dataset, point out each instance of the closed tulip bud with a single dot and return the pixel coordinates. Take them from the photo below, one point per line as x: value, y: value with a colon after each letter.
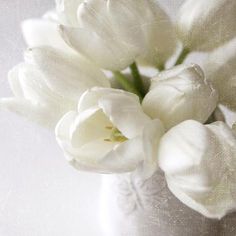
x: 49, y: 83
x: 206, y: 24
x: 199, y: 162
x: 180, y: 94
x: 120, y: 32
x: 220, y: 69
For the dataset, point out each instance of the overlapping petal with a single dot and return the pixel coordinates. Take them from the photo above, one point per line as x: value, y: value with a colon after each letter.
x: 68, y: 74
x: 44, y: 32
x: 199, y: 163
x: 67, y: 11
x: 204, y: 25
x: 150, y: 21
x: 220, y: 69
x: 104, y: 52
x: 179, y: 94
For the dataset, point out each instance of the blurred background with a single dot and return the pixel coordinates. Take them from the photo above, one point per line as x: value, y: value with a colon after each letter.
x: 40, y: 194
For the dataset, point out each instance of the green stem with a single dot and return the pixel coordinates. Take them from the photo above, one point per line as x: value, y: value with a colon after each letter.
x: 161, y: 67
x: 137, y: 78
x: 182, y: 56
x: 126, y: 84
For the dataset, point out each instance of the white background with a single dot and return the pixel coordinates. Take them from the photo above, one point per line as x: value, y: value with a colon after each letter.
x: 40, y: 194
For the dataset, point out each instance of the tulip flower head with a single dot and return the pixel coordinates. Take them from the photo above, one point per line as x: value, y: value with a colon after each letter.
x: 205, y: 25
x: 100, y: 135
x: 180, y: 94
x: 49, y: 83
x: 120, y: 32
x: 199, y: 163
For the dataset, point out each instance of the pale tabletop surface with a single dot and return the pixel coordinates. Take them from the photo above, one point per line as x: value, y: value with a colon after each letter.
x: 40, y: 194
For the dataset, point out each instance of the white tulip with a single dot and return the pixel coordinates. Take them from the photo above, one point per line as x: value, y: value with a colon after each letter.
x: 49, y: 84
x: 114, y: 33
x: 179, y: 94
x: 67, y: 11
x: 44, y: 32
x: 109, y: 133
x: 200, y: 166
x: 206, y: 24
x: 220, y: 69
x: 152, y: 27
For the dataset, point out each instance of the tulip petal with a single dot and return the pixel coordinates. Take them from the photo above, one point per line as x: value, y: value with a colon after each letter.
x: 51, y: 16
x: 122, y: 108
x: 125, y: 113
x: 200, y: 162
x: 65, y: 74
x: 100, y: 50
x: 124, y: 157
x: 204, y: 25
x: 147, y: 22
x: 34, y: 89
x: 152, y: 135
x: 85, y: 128
x: 86, y: 157
x: 62, y: 129
x: 42, y: 32
x: 14, y: 82
x: 32, y: 111
x: 90, y: 97
x: 98, y: 155
x: 67, y: 11
x: 220, y: 70
x: 28, y: 85
x: 130, y: 30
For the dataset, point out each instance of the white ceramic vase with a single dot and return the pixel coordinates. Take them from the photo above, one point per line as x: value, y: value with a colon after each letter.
x: 133, y: 207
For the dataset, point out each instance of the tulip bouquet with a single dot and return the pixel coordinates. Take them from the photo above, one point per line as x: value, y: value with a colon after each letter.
x: 81, y: 76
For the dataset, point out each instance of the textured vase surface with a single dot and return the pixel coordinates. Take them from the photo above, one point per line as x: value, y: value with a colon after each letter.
x: 134, y: 207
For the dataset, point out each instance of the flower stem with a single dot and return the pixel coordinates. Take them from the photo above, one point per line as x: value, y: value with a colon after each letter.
x: 161, y: 67
x: 217, y: 115
x: 126, y: 84
x: 137, y: 78
x: 182, y: 56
